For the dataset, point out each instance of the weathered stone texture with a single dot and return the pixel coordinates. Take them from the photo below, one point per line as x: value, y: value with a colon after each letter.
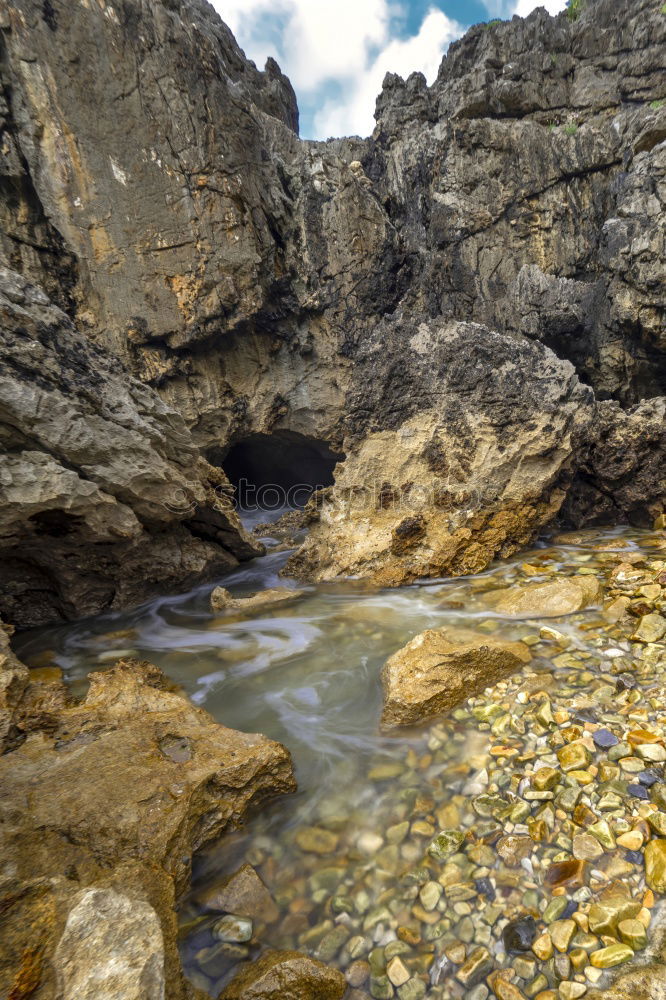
x: 166, y: 202
x: 102, y: 805
x: 104, y: 498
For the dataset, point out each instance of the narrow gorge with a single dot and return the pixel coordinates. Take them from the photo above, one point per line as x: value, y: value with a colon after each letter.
x: 358, y: 443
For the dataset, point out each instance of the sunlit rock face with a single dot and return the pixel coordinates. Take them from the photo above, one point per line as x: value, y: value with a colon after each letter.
x: 166, y: 203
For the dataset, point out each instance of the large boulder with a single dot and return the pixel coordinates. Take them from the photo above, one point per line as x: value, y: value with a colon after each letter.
x: 440, y: 668
x: 465, y: 442
x: 100, y: 813
x: 286, y: 975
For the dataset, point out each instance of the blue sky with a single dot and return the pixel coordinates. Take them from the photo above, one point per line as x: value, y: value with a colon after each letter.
x: 336, y: 52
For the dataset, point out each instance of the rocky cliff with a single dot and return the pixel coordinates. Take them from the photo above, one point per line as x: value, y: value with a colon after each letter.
x: 104, y: 497
x: 483, y: 277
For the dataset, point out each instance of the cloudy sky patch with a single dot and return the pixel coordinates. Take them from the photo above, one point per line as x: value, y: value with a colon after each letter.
x: 336, y: 52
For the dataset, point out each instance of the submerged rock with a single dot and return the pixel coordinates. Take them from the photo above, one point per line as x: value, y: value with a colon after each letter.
x: 286, y: 975
x: 651, y: 628
x: 655, y: 865
x: 242, y: 893
x: 439, y: 668
x: 519, y: 934
x: 445, y: 844
x: 233, y: 929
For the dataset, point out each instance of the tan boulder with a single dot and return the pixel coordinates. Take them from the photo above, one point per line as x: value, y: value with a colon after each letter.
x: 439, y: 668
x: 100, y: 781
x: 222, y: 600
x: 465, y: 466
x: 562, y: 596
x: 286, y: 975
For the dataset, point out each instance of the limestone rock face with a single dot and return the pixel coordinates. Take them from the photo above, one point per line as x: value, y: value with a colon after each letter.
x: 440, y: 668
x: 13, y: 685
x: 104, y: 498
x: 100, y: 814
x: 151, y: 169
x: 622, y: 472
x: 286, y: 975
x: 546, y: 600
x: 497, y: 225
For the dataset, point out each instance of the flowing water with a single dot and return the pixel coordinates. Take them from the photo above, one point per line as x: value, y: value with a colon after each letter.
x: 346, y: 858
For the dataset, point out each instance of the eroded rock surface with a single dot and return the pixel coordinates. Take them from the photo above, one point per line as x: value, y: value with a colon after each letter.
x: 622, y: 472
x: 112, y: 946
x: 474, y: 454
x: 439, y: 668
x: 104, y: 497
x: 100, y: 814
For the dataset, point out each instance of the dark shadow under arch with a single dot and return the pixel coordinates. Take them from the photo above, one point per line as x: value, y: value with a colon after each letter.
x: 283, y: 468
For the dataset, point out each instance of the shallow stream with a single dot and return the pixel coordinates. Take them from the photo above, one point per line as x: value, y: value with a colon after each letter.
x: 346, y: 859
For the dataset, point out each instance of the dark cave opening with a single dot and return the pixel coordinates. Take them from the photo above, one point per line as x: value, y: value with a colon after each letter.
x: 272, y: 471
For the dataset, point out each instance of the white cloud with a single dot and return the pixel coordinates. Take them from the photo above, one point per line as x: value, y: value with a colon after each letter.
x: 318, y: 40
x: 340, y: 45
x: 345, y: 47
x: 353, y: 113
x: 507, y: 8
x: 525, y: 7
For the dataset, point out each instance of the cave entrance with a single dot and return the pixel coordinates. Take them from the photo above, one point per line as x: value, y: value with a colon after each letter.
x: 276, y: 471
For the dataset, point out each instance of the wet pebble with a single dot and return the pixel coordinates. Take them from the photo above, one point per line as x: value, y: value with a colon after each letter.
x: 519, y: 934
